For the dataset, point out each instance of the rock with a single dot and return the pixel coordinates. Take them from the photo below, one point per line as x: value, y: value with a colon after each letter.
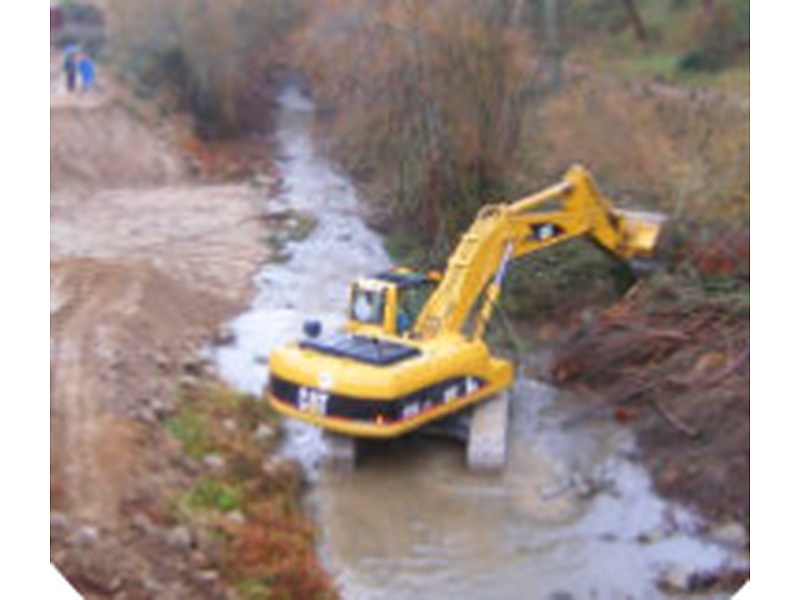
x: 162, y: 360
x: 685, y: 579
x: 180, y: 538
x: 198, y: 368
x: 188, y: 380
x: 261, y: 181
x: 210, y: 551
x: 676, y: 579
x: 225, y: 337
x: 141, y: 523
x: 651, y: 537
x: 143, y: 414
x: 207, y: 576
x: 60, y: 528
x: 87, y: 536
x: 271, y: 466
x: 214, y: 462
x: 161, y: 406
x: 59, y: 521
x: 733, y: 579
x: 730, y: 534
x: 264, y: 433
x: 236, y: 517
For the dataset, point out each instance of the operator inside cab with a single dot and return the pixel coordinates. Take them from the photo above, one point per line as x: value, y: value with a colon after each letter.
x: 392, y: 301
x: 368, y: 306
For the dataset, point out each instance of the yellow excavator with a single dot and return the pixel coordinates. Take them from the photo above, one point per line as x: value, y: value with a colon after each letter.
x: 413, y: 353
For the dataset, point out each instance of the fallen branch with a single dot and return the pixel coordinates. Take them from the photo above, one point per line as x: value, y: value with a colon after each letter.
x: 730, y: 369
x: 703, y: 380
x: 673, y: 420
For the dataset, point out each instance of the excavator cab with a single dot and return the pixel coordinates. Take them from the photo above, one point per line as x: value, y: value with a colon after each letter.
x: 390, y: 303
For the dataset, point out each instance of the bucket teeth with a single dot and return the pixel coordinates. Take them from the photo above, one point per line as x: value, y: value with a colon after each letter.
x: 642, y: 231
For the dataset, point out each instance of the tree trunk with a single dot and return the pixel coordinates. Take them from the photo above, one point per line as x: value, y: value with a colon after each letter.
x: 516, y: 13
x: 555, y: 49
x: 636, y: 21
x: 710, y: 6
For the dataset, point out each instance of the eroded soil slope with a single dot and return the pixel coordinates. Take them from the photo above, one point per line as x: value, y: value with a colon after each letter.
x: 145, y: 267
x: 677, y: 370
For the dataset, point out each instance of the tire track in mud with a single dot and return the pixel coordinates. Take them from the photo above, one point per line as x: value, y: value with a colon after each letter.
x: 88, y: 441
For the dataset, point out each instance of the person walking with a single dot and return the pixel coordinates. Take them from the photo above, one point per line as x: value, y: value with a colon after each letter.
x: 86, y: 69
x: 71, y: 67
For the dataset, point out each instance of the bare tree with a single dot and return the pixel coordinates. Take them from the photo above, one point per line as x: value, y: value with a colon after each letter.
x: 516, y: 12
x: 554, y: 50
x: 431, y: 100
x: 635, y: 17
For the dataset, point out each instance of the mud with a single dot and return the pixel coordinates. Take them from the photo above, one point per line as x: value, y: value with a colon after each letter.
x: 572, y: 516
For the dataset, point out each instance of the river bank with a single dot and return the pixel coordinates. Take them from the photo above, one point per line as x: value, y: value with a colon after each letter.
x: 147, y: 262
x: 676, y: 370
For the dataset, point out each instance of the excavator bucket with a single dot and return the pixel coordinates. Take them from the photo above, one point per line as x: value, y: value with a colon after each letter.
x: 641, y: 231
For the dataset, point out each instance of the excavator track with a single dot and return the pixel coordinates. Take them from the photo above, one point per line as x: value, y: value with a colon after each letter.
x: 487, y: 447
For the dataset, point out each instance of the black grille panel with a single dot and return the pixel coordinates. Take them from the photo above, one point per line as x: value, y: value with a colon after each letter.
x: 370, y: 411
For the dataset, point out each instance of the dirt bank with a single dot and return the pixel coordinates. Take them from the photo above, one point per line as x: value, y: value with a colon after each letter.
x: 146, y: 265
x: 676, y: 368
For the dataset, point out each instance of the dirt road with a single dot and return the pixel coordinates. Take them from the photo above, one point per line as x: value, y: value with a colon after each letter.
x: 145, y: 266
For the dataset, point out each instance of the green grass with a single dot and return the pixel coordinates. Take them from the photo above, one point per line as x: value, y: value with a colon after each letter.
x: 213, y: 494
x: 192, y: 429
x: 288, y: 227
x: 254, y: 589
x: 660, y: 65
x: 269, y: 552
x: 301, y: 226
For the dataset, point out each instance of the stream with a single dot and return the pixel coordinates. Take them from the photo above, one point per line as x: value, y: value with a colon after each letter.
x: 573, y: 516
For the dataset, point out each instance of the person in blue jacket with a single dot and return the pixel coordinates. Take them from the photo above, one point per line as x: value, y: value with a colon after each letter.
x: 86, y: 70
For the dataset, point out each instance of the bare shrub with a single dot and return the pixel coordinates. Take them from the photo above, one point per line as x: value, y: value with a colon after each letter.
x: 679, y: 151
x: 428, y: 98
x: 208, y: 55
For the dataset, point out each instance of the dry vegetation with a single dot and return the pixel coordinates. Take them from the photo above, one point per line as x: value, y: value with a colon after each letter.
x: 248, y: 503
x: 205, y: 58
x: 680, y: 151
x: 676, y: 369
x: 428, y: 100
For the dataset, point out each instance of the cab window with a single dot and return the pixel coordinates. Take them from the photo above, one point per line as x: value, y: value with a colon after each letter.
x: 368, y: 306
x: 411, y: 302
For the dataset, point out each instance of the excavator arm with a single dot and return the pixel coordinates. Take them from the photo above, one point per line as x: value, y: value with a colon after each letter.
x: 502, y: 233
x: 584, y: 211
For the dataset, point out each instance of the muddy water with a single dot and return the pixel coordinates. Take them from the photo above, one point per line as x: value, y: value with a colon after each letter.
x: 572, y: 516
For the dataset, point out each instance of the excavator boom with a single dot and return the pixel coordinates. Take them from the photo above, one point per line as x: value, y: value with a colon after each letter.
x: 524, y: 227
